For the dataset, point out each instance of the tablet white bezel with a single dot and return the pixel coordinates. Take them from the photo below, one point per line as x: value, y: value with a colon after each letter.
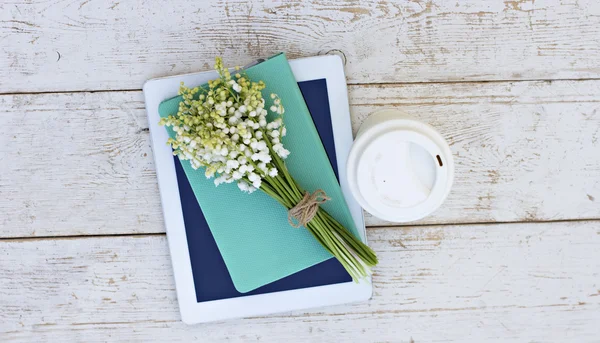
x: 158, y: 90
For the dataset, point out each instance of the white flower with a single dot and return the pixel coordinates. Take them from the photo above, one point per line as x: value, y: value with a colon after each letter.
x: 262, y: 166
x: 243, y: 186
x: 280, y: 150
x: 209, y: 173
x: 283, y: 132
x: 233, y: 164
x: 221, y: 179
x: 265, y: 157
x: 228, y: 134
x: 283, y: 153
x: 274, y: 124
x: 253, y: 177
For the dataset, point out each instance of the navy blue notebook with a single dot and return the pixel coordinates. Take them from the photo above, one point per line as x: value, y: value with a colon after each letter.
x: 211, y: 277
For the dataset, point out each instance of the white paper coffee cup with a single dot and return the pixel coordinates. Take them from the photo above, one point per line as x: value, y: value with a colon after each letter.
x: 399, y: 169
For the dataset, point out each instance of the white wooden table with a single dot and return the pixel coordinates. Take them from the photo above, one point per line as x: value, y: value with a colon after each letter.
x: 513, y: 254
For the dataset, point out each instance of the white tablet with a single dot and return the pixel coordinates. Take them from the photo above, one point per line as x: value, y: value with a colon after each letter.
x: 204, y: 289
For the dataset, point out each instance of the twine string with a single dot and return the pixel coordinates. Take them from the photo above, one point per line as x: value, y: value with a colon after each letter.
x: 307, y: 208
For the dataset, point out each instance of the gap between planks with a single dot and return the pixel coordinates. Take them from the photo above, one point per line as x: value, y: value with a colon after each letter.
x: 399, y: 226
x: 374, y: 84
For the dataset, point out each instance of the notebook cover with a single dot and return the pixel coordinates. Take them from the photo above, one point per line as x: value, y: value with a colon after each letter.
x: 211, y: 278
x: 254, y: 238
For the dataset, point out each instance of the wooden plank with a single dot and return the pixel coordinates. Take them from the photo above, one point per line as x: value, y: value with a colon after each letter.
x: 98, y: 45
x: 76, y: 163
x: 525, y: 282
x: 524, y: 151
x: 81, y: 163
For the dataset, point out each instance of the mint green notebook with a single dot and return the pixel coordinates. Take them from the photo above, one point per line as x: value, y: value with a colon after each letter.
x: 251, y: 230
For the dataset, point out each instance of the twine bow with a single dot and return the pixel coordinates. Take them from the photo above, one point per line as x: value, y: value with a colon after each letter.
x: 307, y: 208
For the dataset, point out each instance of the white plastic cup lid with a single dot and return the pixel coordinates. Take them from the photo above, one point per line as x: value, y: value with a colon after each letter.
x: 399, y: 169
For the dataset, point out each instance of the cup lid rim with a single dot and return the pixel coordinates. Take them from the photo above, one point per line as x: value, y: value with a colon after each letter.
x: 415, y: 132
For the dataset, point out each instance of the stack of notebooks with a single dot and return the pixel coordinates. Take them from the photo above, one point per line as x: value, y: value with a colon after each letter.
x: 235, y: 254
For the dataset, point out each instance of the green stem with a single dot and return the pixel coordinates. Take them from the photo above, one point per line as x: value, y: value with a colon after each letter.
x: 287, y: 189
x: 341, y: 251
x: 272, y: 193
x: 318, y: 238
x: 286, y: 174
x: 332, y: 226
x: 353, y: 255
x: 350, y: 248
x: 364, y: 252
x: 281, y: 167
x: 333, y: 249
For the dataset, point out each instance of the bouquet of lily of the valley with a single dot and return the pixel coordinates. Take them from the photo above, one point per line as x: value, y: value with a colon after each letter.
x: 226, y: 130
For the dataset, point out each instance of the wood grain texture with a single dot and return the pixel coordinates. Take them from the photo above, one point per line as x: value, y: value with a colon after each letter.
x: 62, y: 45
x: 524, y: 151
x: 81, y: 163
x: 526, y: 282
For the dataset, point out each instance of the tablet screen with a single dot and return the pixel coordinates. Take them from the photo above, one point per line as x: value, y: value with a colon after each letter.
x: 211, y: 277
